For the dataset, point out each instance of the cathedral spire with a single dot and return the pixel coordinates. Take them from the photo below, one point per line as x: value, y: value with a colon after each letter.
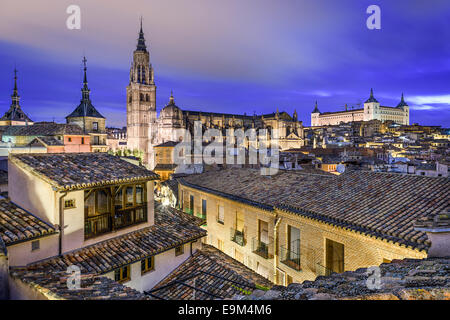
x: 141, y: 40
x: 15, y: 96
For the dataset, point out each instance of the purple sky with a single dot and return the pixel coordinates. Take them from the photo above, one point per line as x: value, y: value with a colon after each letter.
x: 230, y: 56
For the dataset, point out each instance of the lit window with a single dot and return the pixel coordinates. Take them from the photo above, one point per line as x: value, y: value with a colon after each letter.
x: 122, y: 274
x: 69, y: 203
x: 147, y: 265
x: 179, y: 250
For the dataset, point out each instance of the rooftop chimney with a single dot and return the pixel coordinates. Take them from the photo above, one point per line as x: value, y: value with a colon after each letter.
x: 437, y: 228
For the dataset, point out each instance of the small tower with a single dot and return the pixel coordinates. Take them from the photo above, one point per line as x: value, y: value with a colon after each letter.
x: 404, y: 106
x: 88, y: 118
x: 15, y: 115
x: 372, y: 108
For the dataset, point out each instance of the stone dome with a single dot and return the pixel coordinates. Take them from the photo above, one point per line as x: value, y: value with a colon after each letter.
x: 171, y: 110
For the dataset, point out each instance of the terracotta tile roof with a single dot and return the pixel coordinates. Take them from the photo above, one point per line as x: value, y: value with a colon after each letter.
x: 212, y: 273
x: 408, y: 279
x: 48, y: 141
x: 383, y: 205
x: 17, y: 225
x: 53, y: 285
x: 66, y: 171
x: 434, y: 221
x: 44, y: 129
x: 171, y: 229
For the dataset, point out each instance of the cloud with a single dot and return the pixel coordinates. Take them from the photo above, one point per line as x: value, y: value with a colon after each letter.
x: 440, y: 99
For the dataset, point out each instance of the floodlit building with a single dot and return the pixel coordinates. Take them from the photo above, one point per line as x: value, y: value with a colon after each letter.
x: 295, y: 226
x: 372, y: 111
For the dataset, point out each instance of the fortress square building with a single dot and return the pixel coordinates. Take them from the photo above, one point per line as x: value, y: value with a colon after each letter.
x: 372, y: 111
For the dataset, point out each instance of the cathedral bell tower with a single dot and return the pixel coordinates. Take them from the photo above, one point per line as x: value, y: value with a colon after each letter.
x: 141, y: 102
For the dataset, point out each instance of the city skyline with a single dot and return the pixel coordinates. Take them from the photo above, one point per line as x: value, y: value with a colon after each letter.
x: 330, y: 57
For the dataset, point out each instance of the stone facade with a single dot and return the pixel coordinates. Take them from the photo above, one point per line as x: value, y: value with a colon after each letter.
x: 359, y: 250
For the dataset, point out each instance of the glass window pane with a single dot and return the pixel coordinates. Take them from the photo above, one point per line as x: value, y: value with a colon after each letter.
x: 89, y: 204
x: 102, y: 201
x: 118, y: 200
x: 129, y: 197
x: 139, y: 195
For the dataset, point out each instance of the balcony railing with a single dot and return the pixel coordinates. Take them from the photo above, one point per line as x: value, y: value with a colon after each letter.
x: 238, y: 237
x: 323, y: 271
x: 106, y: 222
x: 290, y: 256
x: 261, y: 248
x: 97, y: 225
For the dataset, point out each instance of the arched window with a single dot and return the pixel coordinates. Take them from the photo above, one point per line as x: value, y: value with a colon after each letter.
x: 142, y: 97
x: 147, y: 98
x: 130, y: 98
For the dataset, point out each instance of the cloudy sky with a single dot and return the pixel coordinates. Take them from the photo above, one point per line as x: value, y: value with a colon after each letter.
x: 230, y: 55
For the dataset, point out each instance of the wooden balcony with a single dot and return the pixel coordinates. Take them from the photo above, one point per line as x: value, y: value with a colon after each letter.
x: 125, y: 206
x: 107, y: 222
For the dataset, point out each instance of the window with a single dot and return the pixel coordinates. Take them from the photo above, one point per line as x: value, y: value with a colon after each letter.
x: 220, y: 214
x: 122, y: 274
x: 82, y: 140
x: 220, y: 244
x: 203, y: 208
x: 191, y: 204
x: 179, y: 250
x: 69, y: 203
x: 35, y: 245
x: 95, y: 126
x: 239, y: 221
x: 139, y: 195
x: 147, y: 265
x: 334, y: 256
x: 70, y: 139
x: 263, y: 234
x: 129, y: 197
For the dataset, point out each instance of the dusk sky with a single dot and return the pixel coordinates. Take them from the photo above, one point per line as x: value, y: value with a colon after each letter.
x: 230, y: 56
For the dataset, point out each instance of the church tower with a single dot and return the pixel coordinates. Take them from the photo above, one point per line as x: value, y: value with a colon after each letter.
x: 141, y: 102
x: 15, y: 116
